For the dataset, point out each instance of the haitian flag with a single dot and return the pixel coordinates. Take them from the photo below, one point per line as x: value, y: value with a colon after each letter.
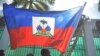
x: 41, y: 28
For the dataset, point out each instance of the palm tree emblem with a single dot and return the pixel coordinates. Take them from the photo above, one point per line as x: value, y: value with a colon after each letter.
x: 42, y: 29
x: 43, y: 23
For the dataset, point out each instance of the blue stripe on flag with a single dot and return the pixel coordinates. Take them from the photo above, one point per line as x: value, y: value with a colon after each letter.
x: 16, y: 17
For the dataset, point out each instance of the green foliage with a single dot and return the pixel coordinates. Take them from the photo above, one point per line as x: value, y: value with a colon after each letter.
x: 42, y: 5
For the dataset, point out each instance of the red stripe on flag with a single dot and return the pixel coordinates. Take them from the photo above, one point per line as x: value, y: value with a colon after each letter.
x: 23, y: 37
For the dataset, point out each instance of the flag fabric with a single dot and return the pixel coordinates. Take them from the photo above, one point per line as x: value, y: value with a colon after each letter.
x: 41, y: 28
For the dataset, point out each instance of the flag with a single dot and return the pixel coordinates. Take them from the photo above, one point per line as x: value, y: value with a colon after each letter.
x: 41, y: 28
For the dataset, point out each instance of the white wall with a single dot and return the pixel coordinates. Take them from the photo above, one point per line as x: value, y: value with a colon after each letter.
x: 4, y: 40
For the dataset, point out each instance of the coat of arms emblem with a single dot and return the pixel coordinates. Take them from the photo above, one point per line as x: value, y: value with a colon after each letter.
x: 43, y: 26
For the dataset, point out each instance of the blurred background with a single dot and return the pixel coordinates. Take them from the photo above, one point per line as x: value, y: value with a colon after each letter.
x: 85, y: 41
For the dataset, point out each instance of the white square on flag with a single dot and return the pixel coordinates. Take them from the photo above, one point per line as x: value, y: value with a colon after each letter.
x: 43, y: 26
